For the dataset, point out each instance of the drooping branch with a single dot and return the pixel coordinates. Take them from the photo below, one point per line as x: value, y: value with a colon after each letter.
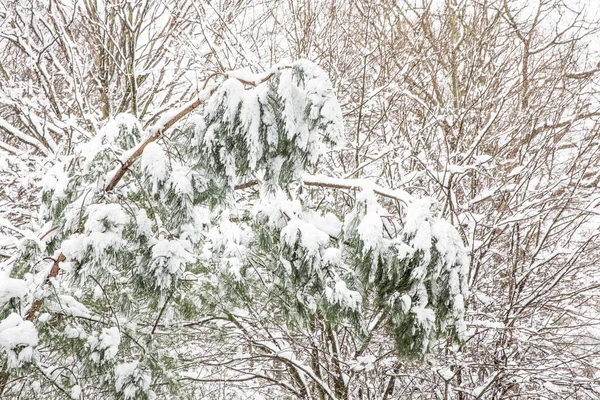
x: 171, y: 119
x: 159, y: 130
x: 156, y: 132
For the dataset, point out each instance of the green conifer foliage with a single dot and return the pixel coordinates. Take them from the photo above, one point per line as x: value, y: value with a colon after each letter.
x: 178, y: 240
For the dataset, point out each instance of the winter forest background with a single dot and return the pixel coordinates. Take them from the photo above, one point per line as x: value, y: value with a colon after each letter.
x: 299, y: 199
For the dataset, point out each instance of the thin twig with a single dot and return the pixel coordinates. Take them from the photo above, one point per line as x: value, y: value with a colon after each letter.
x: 162, y: 310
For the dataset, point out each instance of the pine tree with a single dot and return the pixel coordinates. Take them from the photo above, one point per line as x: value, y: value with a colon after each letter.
x: 218, y: 214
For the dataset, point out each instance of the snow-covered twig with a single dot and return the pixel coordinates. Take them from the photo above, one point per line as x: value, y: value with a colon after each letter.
x: 356, y: 184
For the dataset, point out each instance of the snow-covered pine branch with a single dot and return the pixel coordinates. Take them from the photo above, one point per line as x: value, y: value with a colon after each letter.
x: 139, y: 248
